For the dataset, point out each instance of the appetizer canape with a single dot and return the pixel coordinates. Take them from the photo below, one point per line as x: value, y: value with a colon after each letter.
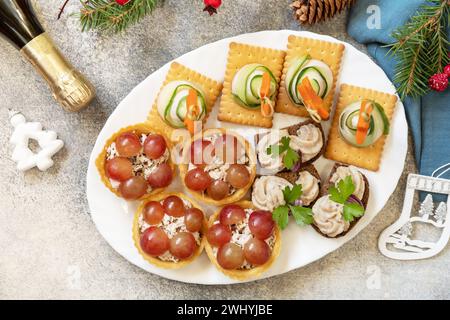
x: 344, y: 204
x: 360, y: 126
x: 251, y: 85
x: 363, y: 122
x: 255, y: 87
x: 309, y: 77
x: 267, y: 191
x: 219, y: 166
x: 290, y: 148
x: 242, y: 241
x: 185, y: 97
x: 168, y: 230
x: 135, y: 162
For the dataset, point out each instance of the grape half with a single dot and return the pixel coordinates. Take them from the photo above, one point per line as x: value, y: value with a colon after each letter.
x: 154, y: 241
x: 230, y: 256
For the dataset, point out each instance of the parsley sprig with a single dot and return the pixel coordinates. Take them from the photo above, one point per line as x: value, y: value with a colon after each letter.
x: 303, y: 216
x: 290, y: 158
x: 341, y: 194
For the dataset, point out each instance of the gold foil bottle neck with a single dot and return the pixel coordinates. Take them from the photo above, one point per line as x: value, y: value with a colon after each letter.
x: 70, y: 88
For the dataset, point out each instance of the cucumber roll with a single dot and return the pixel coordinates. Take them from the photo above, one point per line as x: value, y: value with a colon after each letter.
x: 172, y: 103
x: 251, y: 90
x: 319, y: 74
x: 378, y: 123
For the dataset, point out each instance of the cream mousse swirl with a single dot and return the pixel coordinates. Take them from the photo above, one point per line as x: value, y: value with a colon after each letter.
x: 328, y: 217
x: 308, y: 140
x: 358, y: 180
x: 268, y: 192
x: 270, y: 162
x: 310, y: 187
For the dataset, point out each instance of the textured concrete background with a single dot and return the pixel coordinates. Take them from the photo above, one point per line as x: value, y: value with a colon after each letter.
x: 49, y: 248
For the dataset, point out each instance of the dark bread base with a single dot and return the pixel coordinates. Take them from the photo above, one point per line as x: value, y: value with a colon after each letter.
x: 292, y: 130
x: 364, y: 200
x: 293, y: 176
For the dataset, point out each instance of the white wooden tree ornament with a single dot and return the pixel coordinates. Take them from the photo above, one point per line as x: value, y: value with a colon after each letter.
x: 49, y: 144
x: 400, y: 235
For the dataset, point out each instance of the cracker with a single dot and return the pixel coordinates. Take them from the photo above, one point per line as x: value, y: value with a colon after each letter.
x: 177, y: 71
x: 240, y: 55
x: 328, y: 52
x: 341, y: 151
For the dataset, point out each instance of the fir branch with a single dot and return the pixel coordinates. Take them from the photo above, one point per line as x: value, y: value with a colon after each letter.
x: 421, y: 48
x: 107, y: 15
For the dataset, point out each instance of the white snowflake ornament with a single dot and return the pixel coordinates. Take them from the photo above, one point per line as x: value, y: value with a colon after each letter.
x: 24, y: 131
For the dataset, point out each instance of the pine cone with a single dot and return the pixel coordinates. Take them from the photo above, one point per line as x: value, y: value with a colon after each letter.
x: 312, y: 11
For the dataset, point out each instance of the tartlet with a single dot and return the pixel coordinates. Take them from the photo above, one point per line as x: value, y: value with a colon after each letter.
x: 246, y: 271
x: 167, y: 260
x: 141, y: 164
x: 216, y: 168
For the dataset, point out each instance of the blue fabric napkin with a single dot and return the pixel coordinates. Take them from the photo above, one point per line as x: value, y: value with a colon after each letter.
x: 428, y: 117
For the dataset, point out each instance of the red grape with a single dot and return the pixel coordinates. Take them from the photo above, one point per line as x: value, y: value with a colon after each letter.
x: 182, y: 245
x: 218, y: 234
x: 256, y: 251
x: 193, y: 219
x: 160, y: 177
x: 153, y: 212
x: 133, y: 188
x: 119, y: 168
x: 128, y: 144
x: 261, y: 224
x: 238, y: 176
x: 154, y: 241
x: 218, y: 189
x: 231, y: 214
x: 228, y: 148
x: 230, y: 256
x: 174, y: 206
x: 202, y: 152
x: 154, y: 146
x: 197, y: 179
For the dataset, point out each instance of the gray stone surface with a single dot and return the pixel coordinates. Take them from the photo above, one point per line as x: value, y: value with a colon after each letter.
x: 49, y: 248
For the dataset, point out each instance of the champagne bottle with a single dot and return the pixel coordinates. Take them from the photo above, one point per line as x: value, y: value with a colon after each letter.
x: 19, y: 25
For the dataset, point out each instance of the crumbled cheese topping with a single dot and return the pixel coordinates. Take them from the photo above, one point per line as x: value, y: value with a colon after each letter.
x: 240, y: 234
x: 111, y: 152
x: 171, y: 226
x: 141, y: 164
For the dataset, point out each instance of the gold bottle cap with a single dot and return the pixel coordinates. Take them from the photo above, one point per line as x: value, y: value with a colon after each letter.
x: 70, y: 88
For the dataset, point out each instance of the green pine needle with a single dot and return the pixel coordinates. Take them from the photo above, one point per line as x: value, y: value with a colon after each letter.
x: 107, y: 15
x: 421, y: 48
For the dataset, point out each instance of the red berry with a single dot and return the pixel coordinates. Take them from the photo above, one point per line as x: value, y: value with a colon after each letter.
x: 438, y: 82
x: 213, y: 3
x: 122, y: 2
x: 447, y: 70
x: 211, y: 6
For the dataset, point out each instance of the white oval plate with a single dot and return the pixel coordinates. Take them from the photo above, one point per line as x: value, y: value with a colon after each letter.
x: 300, y: 246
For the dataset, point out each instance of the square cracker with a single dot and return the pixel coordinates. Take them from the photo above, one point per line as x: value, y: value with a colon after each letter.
x: 240, y: 55
x: 328, y: 52
x: 177, y: 71
x: 341, y: 151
